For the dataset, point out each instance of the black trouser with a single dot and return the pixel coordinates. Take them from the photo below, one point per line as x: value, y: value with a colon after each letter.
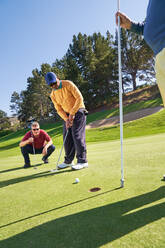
x: 75, y: 141
x: 29, y: 149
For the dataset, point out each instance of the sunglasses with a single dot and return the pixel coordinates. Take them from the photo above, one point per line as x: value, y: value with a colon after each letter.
x: 51, y: 85
x: 35, y: 129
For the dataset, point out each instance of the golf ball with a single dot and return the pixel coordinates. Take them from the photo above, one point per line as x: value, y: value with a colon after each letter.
x: 77, y: 180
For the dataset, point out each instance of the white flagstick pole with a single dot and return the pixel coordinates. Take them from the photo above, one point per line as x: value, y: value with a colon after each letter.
x: 120, y: 99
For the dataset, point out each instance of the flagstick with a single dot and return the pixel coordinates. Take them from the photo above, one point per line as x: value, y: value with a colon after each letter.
x: 120, y: 99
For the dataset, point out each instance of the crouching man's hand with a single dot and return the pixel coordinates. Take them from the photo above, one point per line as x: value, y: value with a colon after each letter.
x: 44, y: 151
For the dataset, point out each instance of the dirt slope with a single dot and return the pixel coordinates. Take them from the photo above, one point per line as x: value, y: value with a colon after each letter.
x: 126, y: 118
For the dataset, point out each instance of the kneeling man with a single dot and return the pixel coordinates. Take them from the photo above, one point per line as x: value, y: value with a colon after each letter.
x: 36, y: 141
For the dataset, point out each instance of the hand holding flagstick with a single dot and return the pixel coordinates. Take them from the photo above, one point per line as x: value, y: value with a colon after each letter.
x: 125, y: 22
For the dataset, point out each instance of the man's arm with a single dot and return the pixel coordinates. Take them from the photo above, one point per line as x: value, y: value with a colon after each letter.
x: 126, y: 23
x: 137, y: 28
x: 26, y: 142
x: 49, y: 143
x: 61, y: 113
x: 59, y: 109
x: 78, y: 96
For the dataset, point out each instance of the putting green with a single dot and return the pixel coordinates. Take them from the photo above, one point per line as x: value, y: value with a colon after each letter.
x: 43, y: 209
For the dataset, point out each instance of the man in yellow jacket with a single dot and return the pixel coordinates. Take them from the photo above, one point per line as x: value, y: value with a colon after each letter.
x: 68, y: 102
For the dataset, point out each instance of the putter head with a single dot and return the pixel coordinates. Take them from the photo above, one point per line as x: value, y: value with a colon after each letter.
x: 54, y: 170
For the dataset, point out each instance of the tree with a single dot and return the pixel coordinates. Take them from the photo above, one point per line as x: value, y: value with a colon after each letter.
x: 104, y: 75
x: 35, y: 99
x: 4, y: 120
x: 34, y: 102
x: 16, y: 103
x: 91, y: 63
x: 137, y: 59
x: 93, y: 60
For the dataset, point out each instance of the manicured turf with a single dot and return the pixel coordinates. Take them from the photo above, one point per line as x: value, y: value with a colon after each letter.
x: 126, y: 109
x: 153, y: 124
x: 43, y: 210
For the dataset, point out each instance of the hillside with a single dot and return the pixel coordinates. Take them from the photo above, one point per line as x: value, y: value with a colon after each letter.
x: 108, y: 122
x: 148, y: 125
x: 136, y: 104
x: 142, y: 94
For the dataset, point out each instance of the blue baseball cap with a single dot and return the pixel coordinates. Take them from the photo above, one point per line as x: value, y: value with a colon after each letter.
x: 50, y: 77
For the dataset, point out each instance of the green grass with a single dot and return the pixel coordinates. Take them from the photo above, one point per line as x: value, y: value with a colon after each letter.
x: 132, y: 129
x: 126, y: 109
x: 44, y: 210
x: 40, y: 209
x: 152, y: 124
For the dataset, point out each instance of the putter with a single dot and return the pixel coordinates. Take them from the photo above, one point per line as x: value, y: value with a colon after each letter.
x: 35, y: 167
x: 33, y: 150
x: 54, y: 170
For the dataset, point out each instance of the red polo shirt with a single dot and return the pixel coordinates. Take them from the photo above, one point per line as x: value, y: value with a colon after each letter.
x: 40, y: 140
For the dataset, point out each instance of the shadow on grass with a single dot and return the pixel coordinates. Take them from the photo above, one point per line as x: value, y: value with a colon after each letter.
x: 54, y: 209
x: 13, y: 169
x: 92, y: 228
x: 18, y: 168
x: 30, y: 177
x: 12, y: 135
x: 7, y: 147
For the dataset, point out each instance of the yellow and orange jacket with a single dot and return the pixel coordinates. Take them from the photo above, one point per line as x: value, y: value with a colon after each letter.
x: 67, y: 99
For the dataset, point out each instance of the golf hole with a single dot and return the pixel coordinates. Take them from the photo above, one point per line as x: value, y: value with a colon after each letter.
x: 94, y: 189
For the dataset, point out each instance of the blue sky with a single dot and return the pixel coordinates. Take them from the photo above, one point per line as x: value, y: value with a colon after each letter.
x: 39, y: 31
